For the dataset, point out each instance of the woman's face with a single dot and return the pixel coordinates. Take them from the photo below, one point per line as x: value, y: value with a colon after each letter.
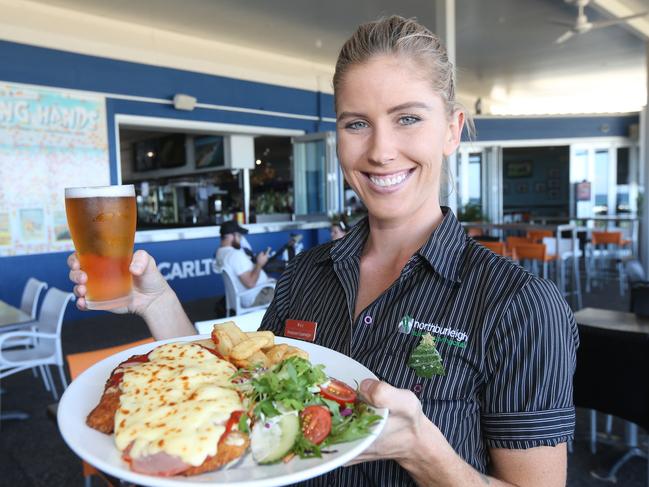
x: 393, y: 132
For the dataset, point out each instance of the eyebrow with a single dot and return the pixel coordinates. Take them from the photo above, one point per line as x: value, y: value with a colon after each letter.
x: 398, y: 108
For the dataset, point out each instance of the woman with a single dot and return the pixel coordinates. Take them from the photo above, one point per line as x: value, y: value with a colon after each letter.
x: 502, y: 402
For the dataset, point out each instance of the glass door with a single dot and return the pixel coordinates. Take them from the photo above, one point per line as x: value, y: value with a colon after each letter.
x: 317, y: 179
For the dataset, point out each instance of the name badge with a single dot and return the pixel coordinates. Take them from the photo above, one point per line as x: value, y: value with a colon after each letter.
x: 302, y: 330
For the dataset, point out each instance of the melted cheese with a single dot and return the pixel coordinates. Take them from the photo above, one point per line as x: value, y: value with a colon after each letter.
x: 179, y: 402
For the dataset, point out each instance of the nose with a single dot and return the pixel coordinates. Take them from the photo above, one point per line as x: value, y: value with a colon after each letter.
x: 383, y: 148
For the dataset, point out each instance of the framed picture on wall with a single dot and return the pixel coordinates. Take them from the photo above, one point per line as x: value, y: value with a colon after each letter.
x: 553, y: 194
x: 539, y: 187
x: 554, y: 183
x: 518, y: 169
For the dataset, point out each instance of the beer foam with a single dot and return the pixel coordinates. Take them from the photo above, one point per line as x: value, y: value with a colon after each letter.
x: 101, y: 191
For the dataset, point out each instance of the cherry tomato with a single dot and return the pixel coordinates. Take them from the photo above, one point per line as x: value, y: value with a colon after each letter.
x: 338, y: 391
x: 316, y: 423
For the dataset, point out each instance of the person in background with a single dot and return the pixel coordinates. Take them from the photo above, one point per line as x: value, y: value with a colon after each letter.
x: 475, y: 355
x: 338, y: 229
x: 230, y: 255
x: 291, y: 248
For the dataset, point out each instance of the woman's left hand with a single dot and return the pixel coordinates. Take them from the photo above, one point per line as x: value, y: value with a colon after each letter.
x: 406, y: 426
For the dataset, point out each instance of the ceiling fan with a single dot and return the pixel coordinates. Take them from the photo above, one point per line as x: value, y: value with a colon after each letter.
x: 582, y: 25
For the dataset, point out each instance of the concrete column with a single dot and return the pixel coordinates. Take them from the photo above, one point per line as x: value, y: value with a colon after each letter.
x: 445, y: 30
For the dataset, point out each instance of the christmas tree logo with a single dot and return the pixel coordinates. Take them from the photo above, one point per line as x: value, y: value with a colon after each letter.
x: 406, y: 324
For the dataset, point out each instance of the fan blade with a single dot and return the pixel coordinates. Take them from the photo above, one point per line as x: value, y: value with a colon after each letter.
x: 564, y: 37
x: 564, y: 23
x: 621, y: 20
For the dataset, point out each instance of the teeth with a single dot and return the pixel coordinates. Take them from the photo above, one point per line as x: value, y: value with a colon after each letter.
x: 387, y: 181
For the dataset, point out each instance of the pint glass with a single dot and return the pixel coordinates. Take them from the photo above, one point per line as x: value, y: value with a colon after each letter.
x: 102, y: 224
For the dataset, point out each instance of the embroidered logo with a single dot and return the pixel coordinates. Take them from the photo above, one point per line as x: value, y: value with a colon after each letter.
x: 442, y: 334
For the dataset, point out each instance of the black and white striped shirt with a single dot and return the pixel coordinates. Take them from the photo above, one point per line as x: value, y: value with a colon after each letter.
x: 507, y: 341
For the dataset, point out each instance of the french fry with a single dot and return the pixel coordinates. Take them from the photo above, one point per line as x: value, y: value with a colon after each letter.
x: 268, y: 335
x: 294, y: 351
x: 222, y: 341
x: 235, y: 333
x: 258, y: 358
x: 276, y: 353
x: 247, y: 347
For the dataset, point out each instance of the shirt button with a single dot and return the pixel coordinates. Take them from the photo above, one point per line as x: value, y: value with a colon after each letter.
x: 367, y: 320
x: 417, y: 388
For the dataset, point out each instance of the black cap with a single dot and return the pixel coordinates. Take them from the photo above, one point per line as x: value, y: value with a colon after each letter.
x: 231, y: 227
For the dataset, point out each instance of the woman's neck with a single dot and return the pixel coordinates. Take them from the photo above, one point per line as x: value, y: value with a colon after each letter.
x: 398, y: 240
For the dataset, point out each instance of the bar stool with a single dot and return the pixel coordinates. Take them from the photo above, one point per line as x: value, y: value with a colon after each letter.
x: 606, y: 247
x: 534, y: 253
x: 567, y: 251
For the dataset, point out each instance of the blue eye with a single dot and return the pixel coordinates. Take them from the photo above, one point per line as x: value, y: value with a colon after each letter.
x: 408, y: 120
x: 356, y: 125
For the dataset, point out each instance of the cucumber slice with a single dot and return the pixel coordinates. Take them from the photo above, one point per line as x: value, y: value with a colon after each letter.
x: 271, y: 441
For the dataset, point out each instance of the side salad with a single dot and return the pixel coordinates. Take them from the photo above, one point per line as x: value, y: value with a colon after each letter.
x: 294, y: 409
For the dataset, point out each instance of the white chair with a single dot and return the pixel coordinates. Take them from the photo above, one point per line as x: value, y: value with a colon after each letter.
x: 247, y: 322
x: 29, y: 304
x: 47, y: 349
x: 233, y: 298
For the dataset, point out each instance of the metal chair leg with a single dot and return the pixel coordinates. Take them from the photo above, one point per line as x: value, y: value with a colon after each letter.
x: 64, y: 381
x: 46, y: 382
x: 593, y: 431
x: 55, y: 394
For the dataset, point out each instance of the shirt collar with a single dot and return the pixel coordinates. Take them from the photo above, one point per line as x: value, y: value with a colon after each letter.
x: 443, y: 249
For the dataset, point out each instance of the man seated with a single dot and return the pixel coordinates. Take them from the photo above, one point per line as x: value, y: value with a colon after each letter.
x: 231, y: 256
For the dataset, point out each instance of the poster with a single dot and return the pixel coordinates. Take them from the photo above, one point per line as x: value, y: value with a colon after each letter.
x: 50, y: 139
x: 5, y: 229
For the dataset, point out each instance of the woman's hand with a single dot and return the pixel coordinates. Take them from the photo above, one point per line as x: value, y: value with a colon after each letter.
x: 408, y: 431
x: 148, y: 283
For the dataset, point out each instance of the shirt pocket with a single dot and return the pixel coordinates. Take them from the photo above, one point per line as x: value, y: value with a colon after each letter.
x: 390, y: 363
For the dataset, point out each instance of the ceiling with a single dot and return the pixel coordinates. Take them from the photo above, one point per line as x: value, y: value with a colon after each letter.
x: 504, y: 48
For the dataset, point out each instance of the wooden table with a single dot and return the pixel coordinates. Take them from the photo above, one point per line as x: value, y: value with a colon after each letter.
x: 12, y: 316
x: 612, y: 320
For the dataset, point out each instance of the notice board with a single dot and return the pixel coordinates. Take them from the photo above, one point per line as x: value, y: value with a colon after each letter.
x: 49, y: 139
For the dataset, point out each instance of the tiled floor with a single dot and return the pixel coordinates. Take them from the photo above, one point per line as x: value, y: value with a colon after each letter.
x: 33, y: 453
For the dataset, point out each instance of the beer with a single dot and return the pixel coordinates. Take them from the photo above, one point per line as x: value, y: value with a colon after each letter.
x: 102, y: 224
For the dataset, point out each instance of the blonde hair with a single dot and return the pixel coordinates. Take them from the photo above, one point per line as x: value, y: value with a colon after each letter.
x: 399, y: 36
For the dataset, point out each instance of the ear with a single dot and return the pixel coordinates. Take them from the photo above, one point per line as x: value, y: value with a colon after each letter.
x: 453, y: 132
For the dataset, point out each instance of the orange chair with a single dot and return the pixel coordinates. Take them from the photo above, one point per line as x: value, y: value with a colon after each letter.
x: 77, y: 363
x: 537, y: 236
x: 496, y: 247
x: 511, y: 241
x: 535, y: 253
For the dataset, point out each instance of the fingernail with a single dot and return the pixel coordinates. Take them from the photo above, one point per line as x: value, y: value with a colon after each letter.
x: 136, y: 267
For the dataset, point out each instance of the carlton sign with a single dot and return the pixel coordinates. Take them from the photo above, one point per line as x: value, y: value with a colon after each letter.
x: 186, y: 269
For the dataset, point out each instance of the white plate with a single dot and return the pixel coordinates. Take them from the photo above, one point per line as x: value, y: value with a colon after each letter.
x: 100, y: 451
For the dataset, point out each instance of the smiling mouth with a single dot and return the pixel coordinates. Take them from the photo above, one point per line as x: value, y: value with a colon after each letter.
x: 389, y: 180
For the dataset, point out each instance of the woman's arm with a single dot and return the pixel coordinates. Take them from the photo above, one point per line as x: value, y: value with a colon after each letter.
x: 414, y: 442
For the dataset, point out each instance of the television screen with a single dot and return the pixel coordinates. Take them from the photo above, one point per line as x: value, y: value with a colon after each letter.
x: 160, y: 152
x: 208, y: 150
